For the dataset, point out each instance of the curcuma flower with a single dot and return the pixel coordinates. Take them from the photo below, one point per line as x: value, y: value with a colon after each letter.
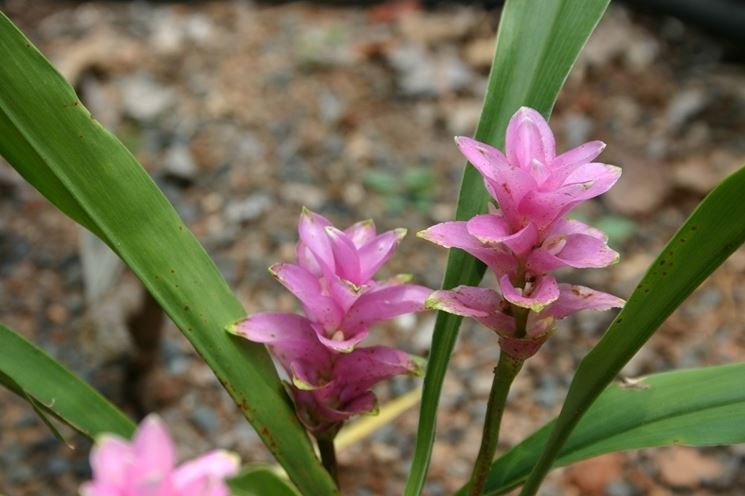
x: 330, y: 378
x: 146, y: 466
x: 527, y: 237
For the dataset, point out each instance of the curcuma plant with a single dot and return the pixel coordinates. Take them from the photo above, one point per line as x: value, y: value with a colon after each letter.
x: 299, y: 377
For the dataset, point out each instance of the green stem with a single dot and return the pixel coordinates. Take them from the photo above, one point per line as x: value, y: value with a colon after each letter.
x: 328, y: 457
x: 505, y: 372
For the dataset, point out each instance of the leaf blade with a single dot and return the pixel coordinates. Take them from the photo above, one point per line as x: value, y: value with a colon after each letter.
x: 35, y: 376
x: 86, y: 169
x: 657, y: 412
x: 259, y: 481
x: 709, y: 235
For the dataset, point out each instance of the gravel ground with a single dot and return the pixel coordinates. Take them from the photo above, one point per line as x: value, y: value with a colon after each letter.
x: 243, y: 113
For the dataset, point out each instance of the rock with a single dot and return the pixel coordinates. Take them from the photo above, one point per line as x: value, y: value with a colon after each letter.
x: 687, y: 467
x: 577, y: 129
x: 463, y: 117
x: 480, y: 52
x: 248, y: 209
x: 435, y: 28
x: 179, y: 163
x: 424, y: 73
x: 593, y: 476
x: 684, y: 105
x: 643, y: 186
x: 143, y: 98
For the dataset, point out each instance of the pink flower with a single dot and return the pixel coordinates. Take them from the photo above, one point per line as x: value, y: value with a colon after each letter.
x: 146, y: 466
x: 527, y: 237
x: 333, y: 280
x: 327, y: 387
x: 330, y: 379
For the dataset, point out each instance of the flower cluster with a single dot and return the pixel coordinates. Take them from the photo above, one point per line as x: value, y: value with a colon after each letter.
x: 147, y: 465
x: 332, y: 277
x: 527, y: 236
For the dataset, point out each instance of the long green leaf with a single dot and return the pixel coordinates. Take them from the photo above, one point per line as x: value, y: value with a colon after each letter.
x: 83, y: 169
x: 697, y: 407
x: 53, y: 390
x: 712, y: 232
x: 260, y: 480
x: 537, y: 44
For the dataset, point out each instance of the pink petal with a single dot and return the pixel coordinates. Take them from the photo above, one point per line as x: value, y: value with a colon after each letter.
x: 584, y: 153
x: 364, y: 403
x: 205, y: 476
x: 567, y: 162
x: 573, y: 226
x: 364, y: 367
x: 484, y: 305
x: 575, y: 298
x: 493, y: 230
x: 346, y: 260
x: 312, y: 232
x: 543, y: 207
x: 342, y: 340
x: 485, y: 158
x: 377, y: 251
x: 509, y: 187
x: 307, y: 288
x: 529, y: 138
x: 290, y: 338
x: 505, y: 182
x: 361, y: 232
x: 307, y: 260
x: 455, y: 235
x: 111, y: 459
x: 544, y: 292
x: 465, y: 301
x: 385, y: 303
x: 488, y: 228
x: 343, y: 292
x: 575, y: 250
x: 154, y: 450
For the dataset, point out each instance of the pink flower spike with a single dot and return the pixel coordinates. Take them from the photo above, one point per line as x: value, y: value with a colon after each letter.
x: 146, y: 467
x: 574, y: 298
x: 535, y: 296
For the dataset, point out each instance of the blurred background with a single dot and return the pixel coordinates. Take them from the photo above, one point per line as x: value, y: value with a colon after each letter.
x: 245, y: 111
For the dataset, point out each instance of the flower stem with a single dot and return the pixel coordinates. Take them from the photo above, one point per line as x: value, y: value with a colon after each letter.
x: 328, y: 457
x: 504, y: 373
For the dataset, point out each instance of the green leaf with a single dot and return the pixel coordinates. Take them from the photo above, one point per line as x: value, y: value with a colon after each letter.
x: 537, y: 45
x: 657, y: 410
x: 260, y: 480
x: 54, y: 142
x: 712, y: 232
x: 53, y: 390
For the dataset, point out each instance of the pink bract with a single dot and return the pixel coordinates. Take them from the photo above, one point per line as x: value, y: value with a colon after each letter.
x: 146, y: 466
x: 527, y: 236
x: 329, y: 376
